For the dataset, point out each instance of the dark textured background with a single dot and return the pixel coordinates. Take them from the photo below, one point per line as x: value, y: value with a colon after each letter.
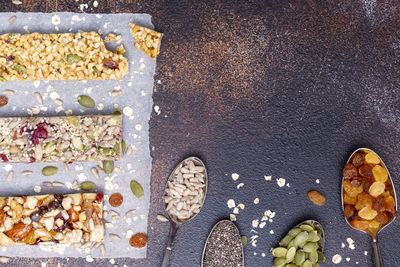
x: 281, y: 88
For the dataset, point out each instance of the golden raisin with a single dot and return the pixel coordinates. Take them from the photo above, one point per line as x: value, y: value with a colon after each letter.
x: 359, y: 224
x: 376, y: 189
x: 2, y: 217
x: 351, y: 190
x: 373, y: 227
x: 116, y: 200
x: 30, y: 239
x: 348, y: 199
x: 358, y: 159
x: 372, y: 158
x: 317, y: 198
x: 378, y: 203
x: 380, y: 173
x: 367, y: 213
x: 383, y: 217
x: 365, y: 170
x: 348, y: 211
x: 363, y: 200
x: 390, y: 204
x: 349, y: 171
x: 138, y: 240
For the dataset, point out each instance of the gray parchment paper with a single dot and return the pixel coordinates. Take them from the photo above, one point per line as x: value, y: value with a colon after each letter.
x: 136, y: 104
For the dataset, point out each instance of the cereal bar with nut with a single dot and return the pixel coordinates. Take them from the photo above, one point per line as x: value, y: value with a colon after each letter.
x: 52, y: 218
x: 65, y: 138
x: 62, y: 56
x: 147, y: 40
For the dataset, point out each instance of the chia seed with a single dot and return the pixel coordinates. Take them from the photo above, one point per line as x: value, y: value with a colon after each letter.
x: 223, y: 246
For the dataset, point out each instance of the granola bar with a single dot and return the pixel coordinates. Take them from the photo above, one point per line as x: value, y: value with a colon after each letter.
x: 147, y: 40
x: 66, y: 139
x: 64, y: 219
x: 62, y: 56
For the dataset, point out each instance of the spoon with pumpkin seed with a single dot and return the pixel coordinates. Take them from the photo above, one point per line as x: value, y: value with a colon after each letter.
x: 184, y: 196
x: 302, y: 246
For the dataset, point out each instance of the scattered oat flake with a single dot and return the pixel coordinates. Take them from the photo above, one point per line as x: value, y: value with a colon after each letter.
x: 343, y: 245
x: 162, y: 218
x: 336, y: 259
x: 263, y: 254
x: 37, y: 189
x: 281, y: 182
x: 365, y: 253
x: 95, y: 4
x: 350, y: 242
x: 236, y: 210
x: 254, y: 223
x: 317, y: 181
x: 157, y: 109
x: 89, y: 258
x: 55, y: 19
x: 240, y: 185
x: 267, y: 178
x: 138, y: 127
x: 235, y: 176
x: 262, y: 225
x: 232, y: 217
x: 347, y: 259
x: 256, y: 201
x: 271, y: 232
x: 231, y: 203
x: 241, y: 206
x: 16, y: 2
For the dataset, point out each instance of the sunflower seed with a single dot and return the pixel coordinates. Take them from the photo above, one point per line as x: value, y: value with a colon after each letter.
x: 116, y: 93
x: 102, y: 250
x: 4, y: 259
x: 129, y: 150
x: 8, y: 92
x: 95, y: 172
x: 66, y: 168
x: 57, y: 184
x: 114, y: 236
x: 162, y: 218
x: 26, y: 173
x: 48, y: 184
x: 10, y: 176
x: 129, y: 214
x: 113, y: 213
x: 96, y: 245
x: 12, y: 19
x: 38, y: 98
x: 58, y: 102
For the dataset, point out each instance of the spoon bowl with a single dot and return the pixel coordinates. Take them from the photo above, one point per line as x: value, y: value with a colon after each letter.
x: 212, y: 230
x: 377, y: 258
x: 175, y: 221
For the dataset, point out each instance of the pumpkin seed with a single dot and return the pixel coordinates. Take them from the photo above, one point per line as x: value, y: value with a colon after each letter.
x: 123, y: 146
x: 310, y: 247
x: 244, y: 240
x: 300, y: 257
x: 313, y: 236
x: 279, y: 262
x: 279, y: 252
x: 285, y: 241
x: 87, y: 186
x: 49, y: 170
x: 137, y: 189
x: 313, y: 257
x: 86, y: 101
x: 290, y: 254
x: 19, y: 68
x: 72, y: 58
x: 306, y: 227
x: 321, y: 256
x: 307, y: 263
x: 96, y: 70
x: 117, y: 112
x: 294, y: 232
x: 108, y: 166
x: 300, y: 238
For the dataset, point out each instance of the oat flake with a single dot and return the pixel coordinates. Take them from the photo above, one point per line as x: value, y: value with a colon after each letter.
x: 235, y: 176
x: 281, y: 182
x: 336, y: 259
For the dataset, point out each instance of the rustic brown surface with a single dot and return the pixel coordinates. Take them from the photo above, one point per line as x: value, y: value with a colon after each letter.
x: 288, y: 89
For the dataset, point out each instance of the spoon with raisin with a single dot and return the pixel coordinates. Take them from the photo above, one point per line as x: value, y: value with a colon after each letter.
x: 369, y: 200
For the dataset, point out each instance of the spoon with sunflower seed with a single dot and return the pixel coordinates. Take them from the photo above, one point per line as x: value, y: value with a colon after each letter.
x: 369, y: 200
x: 184, y: 196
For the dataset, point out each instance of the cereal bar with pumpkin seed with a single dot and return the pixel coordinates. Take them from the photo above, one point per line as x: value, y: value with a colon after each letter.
x: 147, y: 40
x: 61, y: 56
x: 65, y: 138
x: 46, y: 219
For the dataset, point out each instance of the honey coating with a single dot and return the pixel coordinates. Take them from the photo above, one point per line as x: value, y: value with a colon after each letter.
x: 368, y: 195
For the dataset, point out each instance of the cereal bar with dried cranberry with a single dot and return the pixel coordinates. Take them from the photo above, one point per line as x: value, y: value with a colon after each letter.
x: 63, y: 219
x: 61, y: 56
x: 65, y: 139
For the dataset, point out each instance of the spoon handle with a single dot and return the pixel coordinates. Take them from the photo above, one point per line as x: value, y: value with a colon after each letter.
x: 168, y: 250
x: 377, y: 254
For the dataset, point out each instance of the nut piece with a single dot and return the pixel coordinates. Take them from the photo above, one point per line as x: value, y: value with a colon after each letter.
x: 147, y: 40
x: 316, y: 197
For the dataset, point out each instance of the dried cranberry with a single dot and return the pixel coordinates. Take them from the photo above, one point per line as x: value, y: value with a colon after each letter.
x: 58, y: 197
x: 99, y: 197
x: 39, y: 132
x: 21, y: 131
x: 53, y: 205
x: 42, y: 210
x: 111, y: 64
x: 35, y: 216
x: 32, y: 160
x: 3, y: 158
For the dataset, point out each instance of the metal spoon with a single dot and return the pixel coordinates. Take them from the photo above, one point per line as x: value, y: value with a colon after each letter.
x: 212, y: 230
x: 377, y: 254
x: 175, y: 224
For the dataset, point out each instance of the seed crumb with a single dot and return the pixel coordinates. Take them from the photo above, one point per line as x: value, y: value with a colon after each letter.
x: 254, y: 223
x: 351, y: 243
x: 347, y: 259
x: 343, y: 245
x: 232, y: 217
x: 271, y: 232
x: 281, y: 182
x: 256, y: 201
x: 365, y: 253
x: 240, y: 185
x: 241, y: 206
x: 336, y: 259
x: 235, y: 176
x: 231, y: 203
x: 267, y: 178
x: 317, y: 181
x: 37, y: 189
x: 95, y: 4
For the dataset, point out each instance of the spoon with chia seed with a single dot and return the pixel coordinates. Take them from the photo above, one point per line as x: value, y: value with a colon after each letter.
x: 184, y: 196
x: 223, y: 246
